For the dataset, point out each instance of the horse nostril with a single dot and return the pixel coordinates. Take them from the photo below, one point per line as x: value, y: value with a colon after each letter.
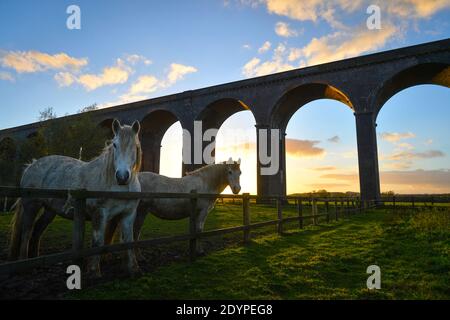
x: 122, y: 178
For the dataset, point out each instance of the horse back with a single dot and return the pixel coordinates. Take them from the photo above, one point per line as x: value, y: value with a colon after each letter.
x: 52, y: 172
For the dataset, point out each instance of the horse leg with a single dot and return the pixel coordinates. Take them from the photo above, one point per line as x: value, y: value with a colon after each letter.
x: 110, y: 231
x: 200, y: 224
x: 126, y: 225
x: 138, y: 224
x: 98, y: 239
x: 40, y: 226
x: 141, y: 214
x: 16, y: 232
x: 30, y: 211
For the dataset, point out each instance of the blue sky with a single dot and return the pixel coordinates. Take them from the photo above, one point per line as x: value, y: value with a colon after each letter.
x: 127, y: 51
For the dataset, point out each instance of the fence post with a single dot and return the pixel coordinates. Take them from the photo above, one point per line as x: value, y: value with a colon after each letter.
x: 192, y: 226
x: 412, y: 201
x: 300, y: 212
x: 79, y: 219
x: 393, y: 203
x: 5, y: 204
x: 246, y: 212
x: 314, y: 211
x: 348, y: 208
x: 280, y: 215
x: 326, y: 210
x: 336, y: 210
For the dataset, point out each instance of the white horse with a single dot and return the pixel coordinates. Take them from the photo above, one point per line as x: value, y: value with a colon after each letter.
x: 114, y: 170
x: 212, y: 179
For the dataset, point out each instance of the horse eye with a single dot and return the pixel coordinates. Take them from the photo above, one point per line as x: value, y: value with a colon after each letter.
x: 229, y: 172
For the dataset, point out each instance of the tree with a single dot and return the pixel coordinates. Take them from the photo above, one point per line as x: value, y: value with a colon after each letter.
x: 68, y: 136
x: 47, y: 114
x: 56, y: 137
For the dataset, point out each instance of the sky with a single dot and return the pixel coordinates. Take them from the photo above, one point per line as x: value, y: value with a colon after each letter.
x: 132, y: 50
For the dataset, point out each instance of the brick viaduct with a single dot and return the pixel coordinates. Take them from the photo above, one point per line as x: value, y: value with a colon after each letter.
x: 363, y: 84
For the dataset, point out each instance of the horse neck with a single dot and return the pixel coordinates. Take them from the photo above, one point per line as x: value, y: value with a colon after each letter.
x: 102, y: 169
x: 215, y: 177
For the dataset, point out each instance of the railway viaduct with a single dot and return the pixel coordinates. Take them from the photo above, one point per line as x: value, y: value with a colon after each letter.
x: 363, y: 84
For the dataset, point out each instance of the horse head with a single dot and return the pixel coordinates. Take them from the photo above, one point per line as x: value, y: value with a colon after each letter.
x: 127, y: 151
x: 233, y: 175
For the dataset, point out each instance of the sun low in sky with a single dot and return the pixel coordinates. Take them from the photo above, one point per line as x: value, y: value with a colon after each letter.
x: 129, y: 51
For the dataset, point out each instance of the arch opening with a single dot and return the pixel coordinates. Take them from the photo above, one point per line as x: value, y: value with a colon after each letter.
x: 296, y: 98
x: 153, y: 128
x: 413, y: 145
x: 107, y: 126
x: 172, y: 151
x: 426, y: 73
x: 236, y: 139
x: 8, y: 154
x: 321, y: 150
x: 218, y: 111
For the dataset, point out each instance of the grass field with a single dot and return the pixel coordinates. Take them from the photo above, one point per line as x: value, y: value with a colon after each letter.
x: 328, y: 261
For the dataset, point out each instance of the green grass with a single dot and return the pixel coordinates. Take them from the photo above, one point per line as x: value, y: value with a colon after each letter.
x: 324, y: 262
x: 328, y: 261
x: 58, y: 236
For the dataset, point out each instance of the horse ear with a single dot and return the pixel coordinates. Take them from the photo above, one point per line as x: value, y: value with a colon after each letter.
x: 239, y: 161
x: 116, y: 126
x: 136, y: 127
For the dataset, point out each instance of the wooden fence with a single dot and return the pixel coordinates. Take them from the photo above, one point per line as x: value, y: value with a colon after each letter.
x: 342, y: 207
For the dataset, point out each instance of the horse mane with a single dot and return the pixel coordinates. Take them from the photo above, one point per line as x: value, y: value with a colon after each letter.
x: 138, y: 164
x: 107, y: 155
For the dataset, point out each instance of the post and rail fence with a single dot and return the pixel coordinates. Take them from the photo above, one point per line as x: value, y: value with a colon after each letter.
x: 343, y: 207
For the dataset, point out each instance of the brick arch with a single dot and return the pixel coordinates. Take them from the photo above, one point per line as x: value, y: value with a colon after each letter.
x: 153, y: 127
x: 423, y: 73
x: 215, y: 113
x: 293, y: 99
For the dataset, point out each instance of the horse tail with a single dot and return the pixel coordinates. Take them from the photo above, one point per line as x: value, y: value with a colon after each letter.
x: 16, y: 230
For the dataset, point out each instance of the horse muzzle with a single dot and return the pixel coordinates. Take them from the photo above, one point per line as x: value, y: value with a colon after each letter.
x: 122, y: 177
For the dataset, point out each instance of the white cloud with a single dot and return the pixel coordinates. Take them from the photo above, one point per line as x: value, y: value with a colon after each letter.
x: 146, y: 84
x: 340, y: 45
x: 265, y: 47
x: 396, y: 136
x: 314, y: 10
x: 35, y: 61
x: 136, y: 58
x: 416, y: 8
x: 283, y: 30
x: 6, y: 76
x: 255, y: 68
x: 177, y: 72
x: 117, y: 74
x: 65, y: 79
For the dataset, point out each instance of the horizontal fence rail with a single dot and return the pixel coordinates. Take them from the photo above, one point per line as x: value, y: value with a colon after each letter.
x: 334, y: 209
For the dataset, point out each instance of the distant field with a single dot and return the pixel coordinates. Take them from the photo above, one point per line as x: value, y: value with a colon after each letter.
x: 320, y: 262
